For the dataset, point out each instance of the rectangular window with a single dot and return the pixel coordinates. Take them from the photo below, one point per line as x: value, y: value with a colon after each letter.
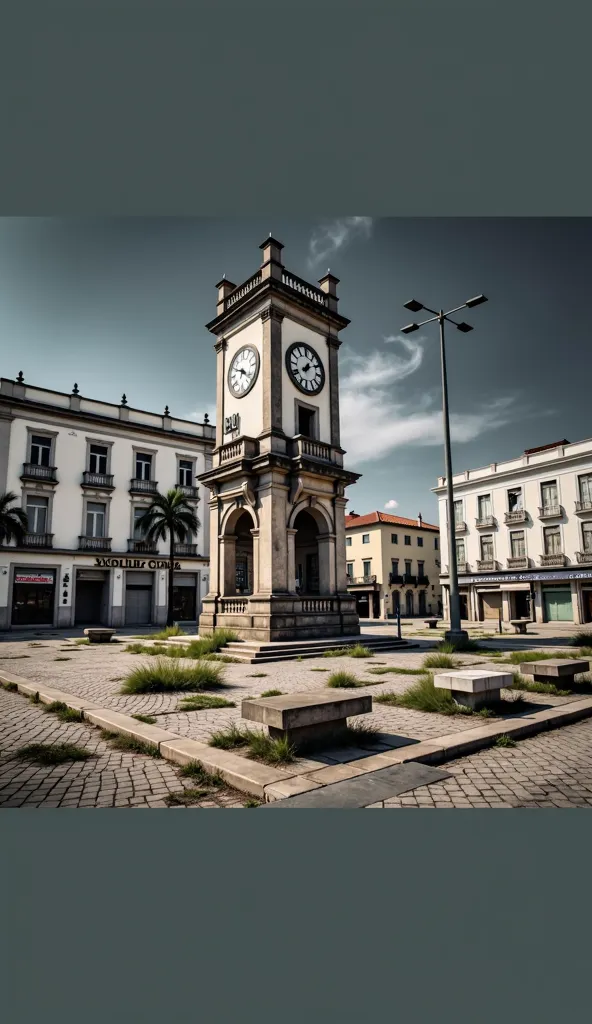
x: 97, y: 460
x: 395, y: 566
x: 407, y: 540
x: 436, y: 543
x: 517, y: 544
x: 587, y: 537
x: 350, y: 569
x: 586, y: 488
x: 143, y: 466
x: 487, y: 548
x: 549, y: 494
x: 306, y: 421
x: 458, y: 513
x: 420, y: 542
x: 40, y: 450
x: 552, y: 538
x: 515, y: 500
x: 95, y: 519
x: 138, y: 513
x: 420, y: 571
x: 408, y: 567
x: 460, y: 550
x: 365, y: 538
x: 348, y: 542
x: 367, y: 567
x: 37, y: 510
x: 394, y: 538
x: 484, y: 506
x: 185, y: 472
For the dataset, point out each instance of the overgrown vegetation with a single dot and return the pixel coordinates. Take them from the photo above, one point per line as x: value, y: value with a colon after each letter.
x: 121, y: 742
x: 147, y: 719
x: 63, y: 712
x: 207, y: 646
x: 259, y: 746
x: 343, y: 680
x: 203, y: 702
x: 168, y: 631
x: 164, y: 676
x: 82, y: 642
x: 355, y: 651
x: 272, y: 693
x: 424, y: 696
x: 582, y: 639
x: 438, y: 660
x: 196, y: 771
x: 505, y: 741
x: 186, y: 797
x: 396, y: 671
x: 11, y: 687
x: 52, y: 753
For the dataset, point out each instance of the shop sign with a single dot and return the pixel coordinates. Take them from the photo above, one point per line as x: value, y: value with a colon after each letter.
x: 135, y: 563
x: 44, y: 578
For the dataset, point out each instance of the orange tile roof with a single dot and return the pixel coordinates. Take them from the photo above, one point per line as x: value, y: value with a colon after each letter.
x: 372, y: 518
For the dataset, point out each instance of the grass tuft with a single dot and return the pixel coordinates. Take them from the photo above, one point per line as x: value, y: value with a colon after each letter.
x: 195, y: 770
x: 11, y: 687
x: 272, y: 693
x: 185, y: 797
x: 438, y: 660
x: 359, y: 651
x: 121, y: 742
x: 397, y: 671
x: 582, y: 639
x: 343, y: 680
x: 228, y: 739
x: 260, y: 746
x: 52, y: 753
x: 424, y: 696
x: 252, y: 802
x: 321, y: 670
x: 257, y: 675
x: 168, y: 631
x: 147, y: 719
x: 505, y: 741
x: 203, y: 702
x: 164, y: 676
x: 532, y: 686
x: 82, y: 642
x: 63, y: 712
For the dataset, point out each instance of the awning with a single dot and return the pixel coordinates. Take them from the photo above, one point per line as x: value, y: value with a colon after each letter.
x: 516, y: 586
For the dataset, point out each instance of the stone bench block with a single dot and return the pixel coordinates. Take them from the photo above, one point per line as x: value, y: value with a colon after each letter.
x: 99, y: 636
x: 519, y: 625
x: 473, y: 687
x: 304, y: 718
x: 554, y: 668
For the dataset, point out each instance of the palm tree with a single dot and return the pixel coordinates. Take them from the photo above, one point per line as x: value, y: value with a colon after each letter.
x: 169, y: 515
x: 13, y: 520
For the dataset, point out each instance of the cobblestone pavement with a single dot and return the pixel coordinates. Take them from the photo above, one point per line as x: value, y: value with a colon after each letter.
x: 97, y: 672
x: 111, y: 778
x: 553, y: 769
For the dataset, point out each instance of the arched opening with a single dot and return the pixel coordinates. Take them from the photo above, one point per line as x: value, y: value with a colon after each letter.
x: 244, y: 554
x: 409, y: 603
x: 306, y: 550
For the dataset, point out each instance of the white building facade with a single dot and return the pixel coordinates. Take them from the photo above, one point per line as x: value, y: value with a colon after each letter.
x: 85, y: 471
x: 523, y: 536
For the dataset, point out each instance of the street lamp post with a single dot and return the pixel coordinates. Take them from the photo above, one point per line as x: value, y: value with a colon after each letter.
x: 455, y: 634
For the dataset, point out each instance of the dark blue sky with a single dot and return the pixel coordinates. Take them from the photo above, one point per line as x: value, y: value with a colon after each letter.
x: 120, y: 305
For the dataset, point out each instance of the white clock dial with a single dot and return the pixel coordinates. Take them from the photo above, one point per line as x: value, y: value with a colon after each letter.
x: 243, y: 371
x: 305, y: 368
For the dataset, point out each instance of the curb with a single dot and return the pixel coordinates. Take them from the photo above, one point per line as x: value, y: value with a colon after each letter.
x: 271, y: 784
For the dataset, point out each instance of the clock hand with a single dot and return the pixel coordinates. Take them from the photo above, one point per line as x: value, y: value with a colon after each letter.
x: 306, y: 368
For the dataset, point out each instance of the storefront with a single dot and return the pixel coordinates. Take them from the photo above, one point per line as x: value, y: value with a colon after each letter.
x: 33, y: 597
x: 554, y: 596
x: 185, y: 597
x: 139, y: 598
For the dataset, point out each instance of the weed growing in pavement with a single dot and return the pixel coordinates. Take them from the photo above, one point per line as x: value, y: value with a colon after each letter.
x: 203, y: 702
x: 343, y: 680
x: 63, y: 712
x: 164, y: 676
x: 52, y: 753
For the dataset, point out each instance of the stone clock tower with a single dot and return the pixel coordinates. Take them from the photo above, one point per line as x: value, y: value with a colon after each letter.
x: 277, y: 482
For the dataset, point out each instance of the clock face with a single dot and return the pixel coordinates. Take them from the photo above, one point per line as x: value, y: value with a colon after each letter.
x: 305, y: 368
x: 243, y: 371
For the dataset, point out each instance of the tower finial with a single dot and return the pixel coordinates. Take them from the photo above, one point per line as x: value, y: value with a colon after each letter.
x: 123, y: 399
x: 20, y: 378
x: 75, y: 389
x: 166, y: 411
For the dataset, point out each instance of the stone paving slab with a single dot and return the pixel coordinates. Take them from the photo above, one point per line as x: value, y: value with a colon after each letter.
x: 362, y: 790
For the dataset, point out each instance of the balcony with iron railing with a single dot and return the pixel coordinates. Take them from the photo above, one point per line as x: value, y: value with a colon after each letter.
x: 584, y: 557
x: 394, y: 579
x: 138, y: 486
x: 584, y: 505
x: 518, y: 562
x: 103, y: 481
x: 486, y: 565
x: 189, y: 491
x: 185, y: 550
x: 94, y: 543
x: 38, y: 540
x: 422, y: 581
x: 519, y: 515
x: 142, y: 547
x: 486, y: 522
x: 556, y: 559
x: 359, y: 581
x: 31, y: 471
x: 410, y: 578
x: 550, y: 511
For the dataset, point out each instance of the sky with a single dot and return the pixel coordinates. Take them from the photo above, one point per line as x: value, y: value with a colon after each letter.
x: 119, y: 305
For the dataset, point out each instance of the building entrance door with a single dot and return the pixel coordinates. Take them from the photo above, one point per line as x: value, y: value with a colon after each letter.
x: 491, y: 605
x: 558, y: 605
x: 138, y: 599
x: 90, y: 601
x: 587, y: 603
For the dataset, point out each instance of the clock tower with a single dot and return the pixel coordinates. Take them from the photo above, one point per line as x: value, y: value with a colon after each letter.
x: 277, y: 482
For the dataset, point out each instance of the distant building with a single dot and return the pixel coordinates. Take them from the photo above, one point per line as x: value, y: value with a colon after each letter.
x: 392, y: 563
x: 524, y: 536
x: 84, y: 472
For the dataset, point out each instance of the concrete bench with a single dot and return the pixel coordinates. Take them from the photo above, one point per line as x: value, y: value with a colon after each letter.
x: 432, y: 623
x: 99, y: 636
x: 473, y: 687
x: 555, y: 669
x: 519, y: 625
x: 305, y: 718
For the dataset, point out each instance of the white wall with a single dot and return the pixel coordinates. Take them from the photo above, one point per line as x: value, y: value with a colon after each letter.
x: 293, y: 332
x: 70, y: 459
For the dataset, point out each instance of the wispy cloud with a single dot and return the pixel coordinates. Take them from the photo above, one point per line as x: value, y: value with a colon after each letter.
x: 329, y: 238
x: 392, y: 504
x: 378, y: 417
